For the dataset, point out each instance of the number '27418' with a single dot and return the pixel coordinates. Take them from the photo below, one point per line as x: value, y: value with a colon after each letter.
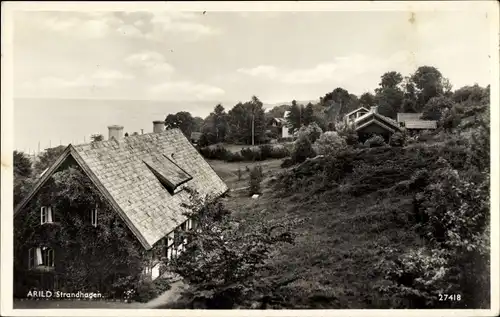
x: 450, y: 297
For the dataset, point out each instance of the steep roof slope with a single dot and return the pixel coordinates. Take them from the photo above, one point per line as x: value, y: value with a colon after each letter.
x: 133, y: 173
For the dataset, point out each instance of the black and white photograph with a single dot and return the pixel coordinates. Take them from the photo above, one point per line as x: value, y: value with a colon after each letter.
x: 250, y: 156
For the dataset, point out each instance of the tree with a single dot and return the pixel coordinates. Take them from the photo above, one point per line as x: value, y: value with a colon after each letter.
x: 198, y: 124
x: 220, y: 123
x: 410, y: 96
x: 295, y: 118
x: 302, y: 149
x: 22, y: 173
x: 436, y: 107
x: 329, y: 143
x: 181, y: 120
x: 336, y: 103
x: 308, y: 116
x: 389, y: 95
x: 241, y: 118
x: 22, y: 165
x: 367, y: 100
x: 429, y: 83
x: 222, y: 256
x: 47, y: 158
x: 96, y: 137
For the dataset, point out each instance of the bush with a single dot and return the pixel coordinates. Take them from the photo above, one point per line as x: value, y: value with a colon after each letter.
x: 329, y: 143
x: 311, y: 131
x: 255, y: 180
x: 302, y: 150
x: 149, y: 290
x: 218, y: 152
x: 251, y: 154
x: 348, y: 133
x: 398, y: 139
x: 435, y: 107
x: 375, y: 141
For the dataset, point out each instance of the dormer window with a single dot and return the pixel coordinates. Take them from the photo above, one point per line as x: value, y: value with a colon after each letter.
x: 46, y: 215
x: 168, y: 173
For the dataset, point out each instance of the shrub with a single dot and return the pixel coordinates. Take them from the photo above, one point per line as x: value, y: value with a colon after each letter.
x: 255, y: 180
x: 279, y: 151
x: 375, y: 141
x: 302, y: 150
x: 435, y: 107
x: 218, y: 152
x: 251, y: 154
x: 311, y: 131
x: 221, y: 260
x: 348, y: 133
x: 329, y: 143
x: 398, y: 139
x: 149, y: 290
x: 288, y: 162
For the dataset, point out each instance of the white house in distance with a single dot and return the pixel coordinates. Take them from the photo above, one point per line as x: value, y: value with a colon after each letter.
x: 284, y: 127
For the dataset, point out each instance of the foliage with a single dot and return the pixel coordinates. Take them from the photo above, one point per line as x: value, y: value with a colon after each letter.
x: 148, y: 290
x: 249, y: 154
x: 22, y: 165
x: 367, y: 100
x: 107, y: 258
x: 308, y: 114
x: 96, y: 137
x: 398, y: 139
x: 302, y: 149
x: 22, y: 175
x: 311, y: 131
x: 348, y: 133
x: 329, y: 143
x: 389, y: 96
x: 222, y: 257
x: 240, y: 119
x: 435, y: 108
x: 429, y: 83
x: 181, y: 120
x: 375, y: 141
x: 256, y: 176
x: 47, y: 158
x: 295, y: 118
x: 216, y: 126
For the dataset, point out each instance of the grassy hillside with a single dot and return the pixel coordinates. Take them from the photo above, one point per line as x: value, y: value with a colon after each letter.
x: 352, y: 209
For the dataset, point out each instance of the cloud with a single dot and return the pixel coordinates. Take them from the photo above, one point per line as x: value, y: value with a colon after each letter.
x: 150, y: 61
x: 100, y: 78
x: 147, y: 25
x: 340, y: 69
x: 185, y: 90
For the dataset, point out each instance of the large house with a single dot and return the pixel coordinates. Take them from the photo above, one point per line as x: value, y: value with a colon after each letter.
x: 144, y: 181
x: 369, y: 122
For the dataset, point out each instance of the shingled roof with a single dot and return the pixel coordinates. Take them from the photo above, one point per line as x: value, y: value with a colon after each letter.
x: 132, y: 173
x: 405, y: 116
x: 421, y: 124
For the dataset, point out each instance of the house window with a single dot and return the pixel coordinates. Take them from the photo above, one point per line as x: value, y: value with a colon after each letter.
x: 43, y: 256
x: 46, y: 215
x: 93, y: 217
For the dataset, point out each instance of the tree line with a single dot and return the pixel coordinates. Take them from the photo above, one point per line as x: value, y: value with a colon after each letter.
x: 425, y: 91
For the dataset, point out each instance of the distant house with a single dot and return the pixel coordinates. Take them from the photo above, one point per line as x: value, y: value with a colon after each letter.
x: 368, y: 123
x: 413, y: 123
x: 353, y: 115
x: 280, y: 126
x: 143, y: 181
x: 195, y: 137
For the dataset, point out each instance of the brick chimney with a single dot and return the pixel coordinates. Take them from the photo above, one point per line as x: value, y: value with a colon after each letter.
x: 374, y: 109
x: 115, y: 132
x: 158, y: 126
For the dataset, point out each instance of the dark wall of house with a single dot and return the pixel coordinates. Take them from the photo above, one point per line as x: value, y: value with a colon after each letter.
x: 373, y: 129
x: 107, y: 258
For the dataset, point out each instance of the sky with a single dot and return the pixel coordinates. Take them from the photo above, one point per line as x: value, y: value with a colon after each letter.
x: 195, y: 58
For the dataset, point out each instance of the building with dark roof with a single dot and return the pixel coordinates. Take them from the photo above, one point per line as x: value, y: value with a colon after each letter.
x: 145, y: 179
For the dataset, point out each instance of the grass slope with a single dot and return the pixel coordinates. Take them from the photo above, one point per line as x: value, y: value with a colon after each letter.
x: 350, y: 210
